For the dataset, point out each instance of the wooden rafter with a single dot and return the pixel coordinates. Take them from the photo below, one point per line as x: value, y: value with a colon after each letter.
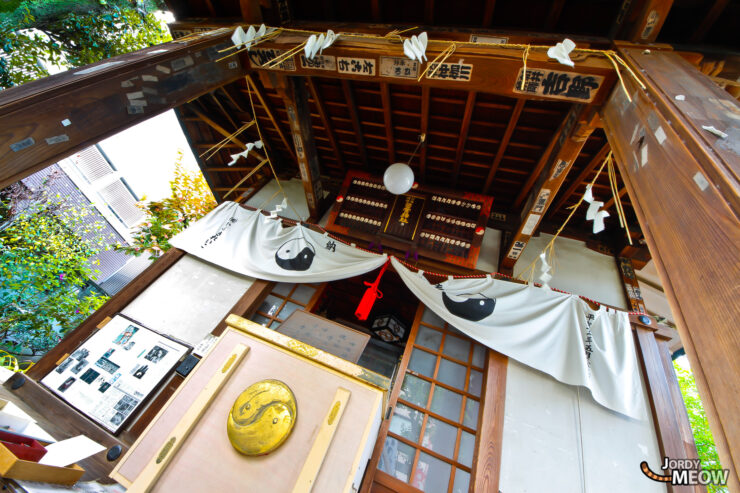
x: 518, y: 107
x: 610, y: 202
x: 250, y: 10
x: 578, y: 182
x: 209, y: 6
x: 488, y: 13
x: 464, y: 128
x: 325, y: 120
x: 429, y: 12
x: 222, y: 110
x: 375, y: 8
x: 425, y: 99
x: 717, y: 8
x: 387, y: 110
x: 556, y: 7
x: 524, y: 192
x: 352, y: 106
x: 218, y: 128
x: 253, y: 87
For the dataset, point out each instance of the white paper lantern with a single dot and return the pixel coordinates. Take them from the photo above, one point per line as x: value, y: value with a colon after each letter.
x: 398, y: 178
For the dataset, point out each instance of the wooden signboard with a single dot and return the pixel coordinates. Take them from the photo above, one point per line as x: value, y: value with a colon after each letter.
x: 324, y: 334
x: 442, y: 225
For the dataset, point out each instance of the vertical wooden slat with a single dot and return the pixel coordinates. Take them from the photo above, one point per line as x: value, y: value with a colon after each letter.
x: 270, y: 114
x: 316, y: 96
x: 717, y: 7
x: 425, y: 100
x: 464, y: 128
x: 352, y: 107
x: 488, y: 13
x: 387, y: 115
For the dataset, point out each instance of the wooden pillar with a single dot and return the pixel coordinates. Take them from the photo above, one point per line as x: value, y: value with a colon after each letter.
x: 48, y: 119
x: 631, y: 286
x: 684, y: 186
x: 295, y: 96
x: 575, y: 133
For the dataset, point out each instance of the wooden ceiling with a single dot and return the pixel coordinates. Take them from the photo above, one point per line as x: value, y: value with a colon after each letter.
x: 476, y: 142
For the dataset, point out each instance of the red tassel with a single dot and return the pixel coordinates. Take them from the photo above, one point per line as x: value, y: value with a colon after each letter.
x: 371, y: 294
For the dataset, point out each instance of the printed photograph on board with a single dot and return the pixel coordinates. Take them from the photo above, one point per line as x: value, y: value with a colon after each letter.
x: 112, y: 373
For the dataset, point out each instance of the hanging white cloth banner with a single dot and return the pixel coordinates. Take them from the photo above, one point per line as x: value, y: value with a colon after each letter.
x: 556, y: 333
x: 248, y: 243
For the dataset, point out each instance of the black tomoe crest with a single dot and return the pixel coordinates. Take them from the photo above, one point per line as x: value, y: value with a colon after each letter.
x: 474, y: 307
x: 296, y: 254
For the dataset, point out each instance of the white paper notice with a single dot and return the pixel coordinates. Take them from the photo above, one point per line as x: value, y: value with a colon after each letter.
x: 530, y: 224
x: 69, y: 451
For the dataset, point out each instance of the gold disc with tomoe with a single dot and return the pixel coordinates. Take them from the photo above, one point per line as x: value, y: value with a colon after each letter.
x: 261, y: 418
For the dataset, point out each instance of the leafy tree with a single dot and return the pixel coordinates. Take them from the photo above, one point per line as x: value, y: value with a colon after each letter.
x: 191, y: 199
x: 45, y: 268
x: 698, y: 420
x: 72, y: 33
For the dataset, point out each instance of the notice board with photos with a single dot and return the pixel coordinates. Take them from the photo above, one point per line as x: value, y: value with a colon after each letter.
x: 112, y: 373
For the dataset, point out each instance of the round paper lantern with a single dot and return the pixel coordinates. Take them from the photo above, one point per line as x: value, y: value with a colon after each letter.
x: 398, y: 178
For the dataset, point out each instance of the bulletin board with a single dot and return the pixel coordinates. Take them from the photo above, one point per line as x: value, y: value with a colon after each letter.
x: 326, y: 335
x: 112, y: 373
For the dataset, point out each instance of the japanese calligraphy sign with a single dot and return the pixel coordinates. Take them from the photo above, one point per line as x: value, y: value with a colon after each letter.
x: 260, y: 56
x: 320, y: 62
x: 482, y: 38
x: 541, y: 202
x: 356, y: 66
x: 517, y: 249
x: 399, y: 67
x: 559, y: 85
x: 451, y: 71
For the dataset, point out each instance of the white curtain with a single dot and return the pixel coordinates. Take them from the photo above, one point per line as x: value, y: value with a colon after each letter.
x: 249, y: 243
x: 556, y: 333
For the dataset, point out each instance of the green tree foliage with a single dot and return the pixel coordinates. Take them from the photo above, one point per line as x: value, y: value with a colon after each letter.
x: 72, y: 33
x: 698, y: 420
x: 45, y: 267
x: 191, y: 199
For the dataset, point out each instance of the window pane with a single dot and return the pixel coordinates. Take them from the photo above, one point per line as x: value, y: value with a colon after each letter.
x: 397, y: 459
x: 476, y: 381
x: 271, y: 305
x: 261, y: 320
x: 467, y: 446
x: 451, y: 373
x: 428, y: 338
x: 479, y: 355
x: 431, y: 318
x: 415, y: 390
x: 440, y: 437
x: 303, y: 293
x: 406, y: 422
x: 422, y: 362
x: 471, y: 413
x: 432, y: 475
x: 283, y: 288
x: 457, y: 348
x: 288, y: 309
x: 446, y: 403
x: 462, y: 482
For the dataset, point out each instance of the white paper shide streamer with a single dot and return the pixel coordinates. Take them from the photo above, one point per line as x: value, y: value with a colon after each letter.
x: 593, y: 213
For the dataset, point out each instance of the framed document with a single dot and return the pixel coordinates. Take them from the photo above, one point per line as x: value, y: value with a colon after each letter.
x: 114, y: 371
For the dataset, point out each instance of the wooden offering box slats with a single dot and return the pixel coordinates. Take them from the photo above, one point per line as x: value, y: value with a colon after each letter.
x: 438, y: 224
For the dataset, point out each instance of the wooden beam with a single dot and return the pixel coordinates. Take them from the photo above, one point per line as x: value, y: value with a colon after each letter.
x: 222, y: 110
x: 635, y: 303
x: 429, y: 12
x: 218, y: 128
x: 349, y: 98
x: 487, y: 463
x: 556, y: 7
x: 250, y: 11
x: 254, y: 89
x: 43, y: 121
x: 325, y: 119
x: 717, y: 8
x: 375, y: 8
x: 541, y: 163
x: 295, y: 97
x: 485, y: 68
x: 610, y: 202
x: 488, y: 13
x: 646, y: 20
x: 464, y: 128
x: 575, y: 134
x: 424, y: 129
x: 516, y: 112
x: 387, y: 111
x: 691, y: 221
x: 209, y: 6
x: 582, y: 176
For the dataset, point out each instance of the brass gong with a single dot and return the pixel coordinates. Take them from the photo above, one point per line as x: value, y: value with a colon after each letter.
x: 262, y: 417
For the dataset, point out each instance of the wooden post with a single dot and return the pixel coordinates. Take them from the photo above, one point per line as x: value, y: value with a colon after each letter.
x: 48, y: 119
x: 575, y: 133
x: 295, y: 96
x: 684, y: 188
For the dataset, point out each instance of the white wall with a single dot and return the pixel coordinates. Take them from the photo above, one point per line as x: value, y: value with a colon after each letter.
x: 188, y: 300
x: 578, y: 270
x: 557, y: 439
